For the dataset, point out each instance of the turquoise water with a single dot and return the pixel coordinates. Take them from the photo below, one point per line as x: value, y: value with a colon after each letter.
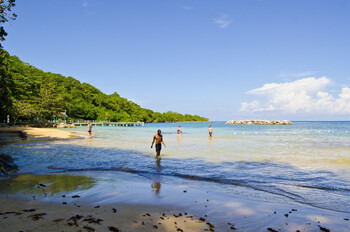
x: 307, y: 162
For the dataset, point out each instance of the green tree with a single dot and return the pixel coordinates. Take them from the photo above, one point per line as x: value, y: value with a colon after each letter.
x: 49, y: 101
x: 23, y: 109
x: 46, y: 94
x: 5, y: 16
x: 5, y: 86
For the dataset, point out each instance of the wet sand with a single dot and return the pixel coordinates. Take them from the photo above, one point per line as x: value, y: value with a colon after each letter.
x: 20, y: 215
x: 133, y: 203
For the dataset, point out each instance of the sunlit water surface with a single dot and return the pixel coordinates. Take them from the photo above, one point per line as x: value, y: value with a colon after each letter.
x: 307, y: 162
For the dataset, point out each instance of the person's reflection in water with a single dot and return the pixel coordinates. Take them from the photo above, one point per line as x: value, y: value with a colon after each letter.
x: 179, y: 138
x: 156, y: 185
x: 156, y: 188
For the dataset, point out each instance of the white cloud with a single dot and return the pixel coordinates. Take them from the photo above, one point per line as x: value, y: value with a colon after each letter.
x: 306, y: 95
x: 223, y: 21
x: 85, y: 4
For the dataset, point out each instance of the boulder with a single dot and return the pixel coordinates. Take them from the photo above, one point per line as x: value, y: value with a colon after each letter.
x: 7, y: 165
x: 64, y: 125
x: 260, y: 122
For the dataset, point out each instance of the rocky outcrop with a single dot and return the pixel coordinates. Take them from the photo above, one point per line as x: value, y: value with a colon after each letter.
x: 64, y: 125
x: 260, y: 122
x: 7, y: 165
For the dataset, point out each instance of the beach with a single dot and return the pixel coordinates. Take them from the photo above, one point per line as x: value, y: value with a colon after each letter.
x: 133, y: 204
x: 107, y: 184
x: 41, y: 133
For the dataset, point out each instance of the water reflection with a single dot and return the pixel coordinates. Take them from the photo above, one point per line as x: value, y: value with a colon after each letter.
x: 179, y: 137
x: 156, y: 181
x: 41, y: 185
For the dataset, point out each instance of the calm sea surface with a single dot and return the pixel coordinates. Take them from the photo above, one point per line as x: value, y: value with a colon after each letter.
x: 307, y: 162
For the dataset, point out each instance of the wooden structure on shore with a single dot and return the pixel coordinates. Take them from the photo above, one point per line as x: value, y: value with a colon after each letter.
x: 109, y: 123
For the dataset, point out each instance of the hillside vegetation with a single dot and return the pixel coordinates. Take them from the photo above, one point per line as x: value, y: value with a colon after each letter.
x: 29, y: 93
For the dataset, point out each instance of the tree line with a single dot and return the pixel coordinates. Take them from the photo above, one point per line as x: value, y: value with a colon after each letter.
x: 28, y: 93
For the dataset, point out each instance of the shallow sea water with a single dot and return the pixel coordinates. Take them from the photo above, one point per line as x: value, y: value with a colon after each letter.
x: 307, y: 162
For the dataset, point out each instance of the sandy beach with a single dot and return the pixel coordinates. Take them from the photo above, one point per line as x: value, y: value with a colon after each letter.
x: 133, y: 203
x: 42, y: 133
x: 19, y: 215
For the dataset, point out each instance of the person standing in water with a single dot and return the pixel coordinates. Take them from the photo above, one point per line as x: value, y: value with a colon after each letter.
x: 158, y: 138
x: 179, y: 130
x: 210, y: 130
x: 89, y: 129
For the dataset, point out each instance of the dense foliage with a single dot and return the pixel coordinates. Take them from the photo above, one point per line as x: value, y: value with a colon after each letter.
x: 33, y: 94
x: 5, y: 16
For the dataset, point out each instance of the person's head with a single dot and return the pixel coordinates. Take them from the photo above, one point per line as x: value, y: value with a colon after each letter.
x: 209, y: 125
x: 159, y: 132
x: 179, y: 126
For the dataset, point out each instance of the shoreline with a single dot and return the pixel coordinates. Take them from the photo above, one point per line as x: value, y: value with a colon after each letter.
x: 133, y: 202
x: 35, y: 202
x: 42, y: 133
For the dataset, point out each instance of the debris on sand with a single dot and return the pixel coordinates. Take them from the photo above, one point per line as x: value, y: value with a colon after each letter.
x: 91, y: 219
x: 113, y: 229
x: 37, y: 216
x: 29, y: 210
x: 324, y: 229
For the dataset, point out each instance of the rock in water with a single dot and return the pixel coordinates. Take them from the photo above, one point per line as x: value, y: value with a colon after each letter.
x: 7, y: 165
x: 260, y: 122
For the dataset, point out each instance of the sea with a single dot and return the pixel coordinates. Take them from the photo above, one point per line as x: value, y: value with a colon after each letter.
x: 305, y: 163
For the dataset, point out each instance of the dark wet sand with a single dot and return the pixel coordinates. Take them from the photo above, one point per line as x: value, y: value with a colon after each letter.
x: 40, y: 203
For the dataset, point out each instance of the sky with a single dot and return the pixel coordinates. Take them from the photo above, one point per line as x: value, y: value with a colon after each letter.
x: 225, y: 59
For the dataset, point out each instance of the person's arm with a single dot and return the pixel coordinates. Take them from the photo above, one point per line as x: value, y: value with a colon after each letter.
x: 154, y: 138
x: 163, y: 142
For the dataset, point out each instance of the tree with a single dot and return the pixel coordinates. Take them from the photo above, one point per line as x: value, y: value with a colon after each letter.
x: 44, y: 94
x: 49, y: 101
x: 22, y: 109
x: 5, y: 86
x: 5, y: 80
x: 5, y: 16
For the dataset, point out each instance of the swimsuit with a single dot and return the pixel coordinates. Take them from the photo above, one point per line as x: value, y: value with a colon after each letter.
x: 210, y: 133
x: 178, y: 132
x: 158, y: 146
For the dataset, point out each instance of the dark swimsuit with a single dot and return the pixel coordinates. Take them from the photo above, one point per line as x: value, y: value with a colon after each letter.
x: 158, y: 146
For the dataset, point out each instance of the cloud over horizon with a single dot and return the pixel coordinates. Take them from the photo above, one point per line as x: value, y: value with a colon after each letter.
x: 306, y: 95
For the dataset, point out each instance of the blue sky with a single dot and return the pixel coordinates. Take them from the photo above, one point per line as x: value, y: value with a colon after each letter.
x: 263, y: 59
